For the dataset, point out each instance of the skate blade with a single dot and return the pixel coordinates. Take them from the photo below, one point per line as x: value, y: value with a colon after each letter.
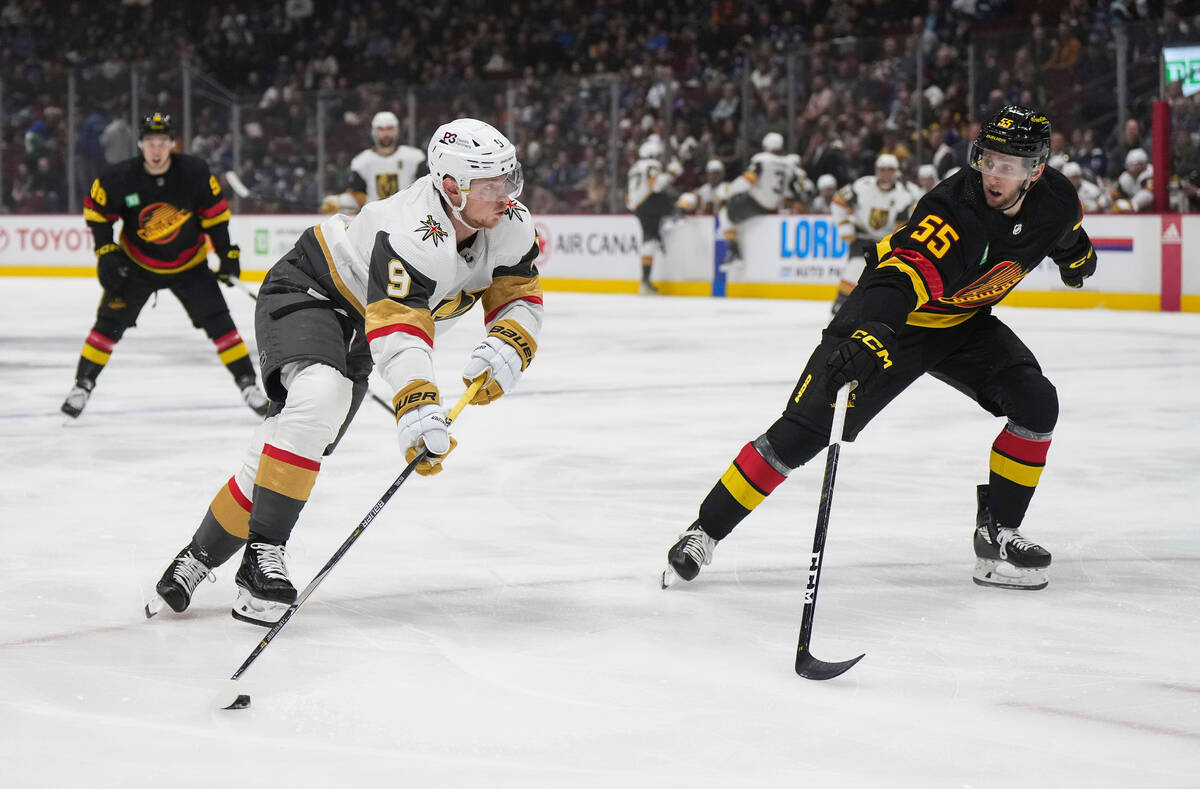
x: 265, y: 613
x: 668, y: 577
x: 1002, y: 575
x: 153, y: 606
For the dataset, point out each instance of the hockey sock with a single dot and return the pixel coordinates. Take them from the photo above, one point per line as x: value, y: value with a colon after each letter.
x: 225, y: 526
x: 281, y: 489
x: 1017, y: 459
x: 752, y: 476
x: 97, y: 349
x: 234, y: 355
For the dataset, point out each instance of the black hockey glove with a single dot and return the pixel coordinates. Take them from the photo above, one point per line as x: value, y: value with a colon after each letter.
x: 112, y: 269
x: 860, y: 357
x: 231, y: 265
x: 1073, y: 274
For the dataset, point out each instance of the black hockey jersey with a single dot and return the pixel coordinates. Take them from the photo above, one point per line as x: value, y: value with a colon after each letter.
x: 957, y: 256
x: 164, y: 217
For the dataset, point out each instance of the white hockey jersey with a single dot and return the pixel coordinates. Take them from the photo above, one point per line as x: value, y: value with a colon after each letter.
x: 1132, y: 193
x: 397, y: 265
x: 645, y: 178
x: 383, y: 176
x: 770, y: 177
x: 862, y: 211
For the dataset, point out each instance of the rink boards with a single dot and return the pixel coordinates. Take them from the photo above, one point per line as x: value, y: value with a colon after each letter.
x: 1143, y: 258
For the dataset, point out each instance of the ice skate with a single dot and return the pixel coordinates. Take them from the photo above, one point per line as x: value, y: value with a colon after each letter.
x: 252, y: 395
x: 264, y: 590
x: 178, y: 582
x: 647, y: 289
x: 693, y: 550
x: 1003, y: 557
x: 77, y: 398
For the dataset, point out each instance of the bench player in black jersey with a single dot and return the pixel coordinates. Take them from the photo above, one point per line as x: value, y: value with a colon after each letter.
x: 924, y: 306
x: 168, y: 203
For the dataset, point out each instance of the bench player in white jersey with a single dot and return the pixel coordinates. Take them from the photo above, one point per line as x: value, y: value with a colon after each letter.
x: 866, y: 212
x: 709, y: 195
x: 387, y: 167
x: 353, y: 293
x: 647, y: 195
x: 761, y: 189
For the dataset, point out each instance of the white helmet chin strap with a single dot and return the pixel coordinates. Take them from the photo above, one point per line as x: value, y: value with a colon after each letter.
x: 456, y: 210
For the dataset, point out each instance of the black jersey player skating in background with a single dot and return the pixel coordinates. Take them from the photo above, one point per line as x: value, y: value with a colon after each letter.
x: 167, y: 203
x: 924, y: 306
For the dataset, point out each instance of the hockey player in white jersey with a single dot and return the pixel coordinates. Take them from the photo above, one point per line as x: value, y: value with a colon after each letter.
x: 761, y: 189
x: 648, y: 196
x: 1093, y: 199
x: 374, y: 290
x: 866, y: 212
x: 387, y: 167
x: 709, y: 194
x: 1133, y: 191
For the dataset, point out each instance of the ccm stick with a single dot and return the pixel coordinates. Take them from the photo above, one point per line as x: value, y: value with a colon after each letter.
x: 230, y: 696
x: 808, y: 666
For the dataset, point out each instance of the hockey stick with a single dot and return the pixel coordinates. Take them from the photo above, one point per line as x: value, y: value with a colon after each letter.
x: 230, y: 697
x: 808, y: 666
x: 244, y: 288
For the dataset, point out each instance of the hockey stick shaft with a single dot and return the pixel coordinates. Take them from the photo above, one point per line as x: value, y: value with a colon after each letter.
x: 244, y: 288
x: 345, y: 546
x: 806, y: 665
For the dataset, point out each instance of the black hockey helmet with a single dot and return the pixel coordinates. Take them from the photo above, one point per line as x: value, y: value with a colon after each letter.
x: 1015, y: 131
x: 157, y: 123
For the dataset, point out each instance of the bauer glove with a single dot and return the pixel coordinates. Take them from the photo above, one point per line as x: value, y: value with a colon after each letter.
x: 112, y: 269
x: 231, y: 264
x: 421, y: 424
x: 503, y: 355
x: 1073, y: 274
x: 860, y: 357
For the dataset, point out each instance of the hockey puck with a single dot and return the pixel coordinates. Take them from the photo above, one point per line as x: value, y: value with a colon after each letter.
x: 240, y: 703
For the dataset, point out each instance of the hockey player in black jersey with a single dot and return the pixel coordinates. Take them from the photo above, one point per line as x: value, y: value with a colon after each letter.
x: 168, y: 204
x: 924, y: 306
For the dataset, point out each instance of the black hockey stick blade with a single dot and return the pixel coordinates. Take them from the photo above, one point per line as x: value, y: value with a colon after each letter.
x: 810, y: 667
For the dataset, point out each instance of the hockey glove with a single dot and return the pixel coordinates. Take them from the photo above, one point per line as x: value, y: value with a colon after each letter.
x: 503, y: 355
x: 112, y: 269
x: 860, y: 357
x: 1073, y: 274
x: 231, y: 264
x: 422, y: 425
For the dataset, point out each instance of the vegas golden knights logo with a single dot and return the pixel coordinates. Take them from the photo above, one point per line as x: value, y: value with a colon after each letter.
x: 878, y: 218
x: 387, y: 184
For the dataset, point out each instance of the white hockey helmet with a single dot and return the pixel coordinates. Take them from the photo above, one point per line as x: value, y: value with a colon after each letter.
x: 1136, y: 156
x: 772, y: 142
x: 927, y: 171
x: 465, y: 149
x: 714, y: 166
x: 827, y: 181
x: 652, y: 148
x: 887, y: 160
x: 1072, y: 170
x: 384, y: 120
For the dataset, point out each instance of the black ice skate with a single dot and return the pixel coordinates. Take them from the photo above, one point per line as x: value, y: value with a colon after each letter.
x: 252, y: 395
x: 78, y: 396
x: 179, y: 581
x: 264, y: 590
x: 1004, y: 558
x: 693, y: 550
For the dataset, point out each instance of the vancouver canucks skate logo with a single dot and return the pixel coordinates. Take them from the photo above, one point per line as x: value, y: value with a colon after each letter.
x: 432, y: 230
x: 514, y: 211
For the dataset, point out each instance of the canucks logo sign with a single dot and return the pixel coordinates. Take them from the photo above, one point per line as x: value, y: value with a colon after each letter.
x: 431, y: 230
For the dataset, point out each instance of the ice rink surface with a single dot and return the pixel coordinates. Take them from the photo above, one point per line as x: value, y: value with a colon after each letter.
x: 501, y: 625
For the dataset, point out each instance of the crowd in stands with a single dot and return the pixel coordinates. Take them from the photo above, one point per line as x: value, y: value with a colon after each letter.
x: 843, y: 81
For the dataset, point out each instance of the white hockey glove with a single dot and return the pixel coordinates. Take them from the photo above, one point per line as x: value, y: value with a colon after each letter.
x: 422, y: 425
x: 503, y: 355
